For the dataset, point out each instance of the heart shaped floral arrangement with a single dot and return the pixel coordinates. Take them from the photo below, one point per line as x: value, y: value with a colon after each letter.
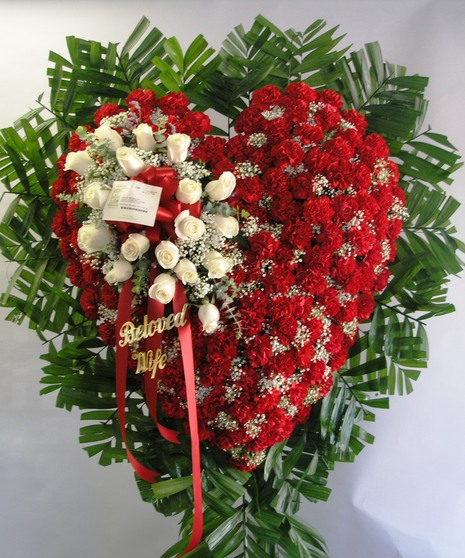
x: 280, y: 237
x: 229, y: 310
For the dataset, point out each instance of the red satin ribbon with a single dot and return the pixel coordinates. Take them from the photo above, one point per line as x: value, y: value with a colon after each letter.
x: 187, y: 351
x: 164, y: 177
x: 122, y: 358
x: 169, y: 209
x: 155, y: 310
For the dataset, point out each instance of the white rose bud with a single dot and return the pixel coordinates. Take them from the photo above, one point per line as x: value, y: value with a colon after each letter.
x: 177, y: 145
x: 144, y: 137
x: 163, y: 288
x: 189, y: 191
x: 167, y: 254
x: 78, y: 161
x: 93, y: 238
x: 209, y: 315
x: 135, y: 246
x: 130, y: 162
x: 186, y: 271
x: 96, y: 194
x: 228, y: 226
x: 216, y: 264
x: 222, y: 188
x: 121, y: 271
x: 105, y: 131
x: 188, y: 227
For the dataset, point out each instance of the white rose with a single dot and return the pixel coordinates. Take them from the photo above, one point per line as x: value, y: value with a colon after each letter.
x: 222, y: 188
x: 144, y: 137
x: 177, y: 145
x: 216, y: 264
x: 167, y: 254
x: 163, y: 288
x: 93, y: 238
x: 105, y: 131
x: 189, y: 191
x: 121, y: 271
x: 209, y: 315
x: 186, y: 271
x: 135, y: 246
x: 228, y: 226
x: 96, y: 194
x: 188, y: 227
x: 130, y: 162
x: 78, y: 161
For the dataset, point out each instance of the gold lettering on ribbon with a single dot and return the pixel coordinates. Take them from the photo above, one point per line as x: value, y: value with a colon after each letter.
x: 130, y: 334
x: 149, y: 362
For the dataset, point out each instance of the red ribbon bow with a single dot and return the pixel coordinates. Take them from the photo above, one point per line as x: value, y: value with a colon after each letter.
x: 169, y: 208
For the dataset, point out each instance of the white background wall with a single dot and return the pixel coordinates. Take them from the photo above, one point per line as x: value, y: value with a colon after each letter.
x: 405, y: 496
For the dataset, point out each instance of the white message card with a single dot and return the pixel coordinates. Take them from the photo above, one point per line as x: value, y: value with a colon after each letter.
x: 131, y: 201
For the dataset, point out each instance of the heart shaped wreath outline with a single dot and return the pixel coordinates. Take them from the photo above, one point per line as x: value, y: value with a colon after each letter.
x: 318, y: 208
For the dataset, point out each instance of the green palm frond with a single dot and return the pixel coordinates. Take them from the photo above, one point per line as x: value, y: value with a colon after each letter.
x: 97, y: 74
x: 187, y: 72
x: 266, y: 55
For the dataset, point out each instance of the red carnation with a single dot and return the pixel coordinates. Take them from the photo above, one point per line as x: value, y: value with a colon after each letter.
x: 300, y: 90
x: 60, y: 225
x: 355, y: 118
x: 107, y: 333
x: 105, y: 111
x: 250, y: 189
x: 109, y: 296
x: 175, y: 103
x: 308, y: 134
x: 74, y: 271
x: 263, y: 245
x: 142, y: 102
x: 259, y: 352
x: 288, y: 153
x: 298, y: 234
x: 194, y: 124
x: 266, y: 96
x: 90, y: 302
x: 210, y: 150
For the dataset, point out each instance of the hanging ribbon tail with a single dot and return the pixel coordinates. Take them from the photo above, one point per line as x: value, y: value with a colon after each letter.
x: 122, y: 359
x: 187, y: 351
x: 155, y: 311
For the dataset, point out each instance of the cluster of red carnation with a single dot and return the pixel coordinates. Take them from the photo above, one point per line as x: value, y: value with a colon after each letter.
x: 175, y: 106
x: 83, y: 272
x: 325, y: 210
